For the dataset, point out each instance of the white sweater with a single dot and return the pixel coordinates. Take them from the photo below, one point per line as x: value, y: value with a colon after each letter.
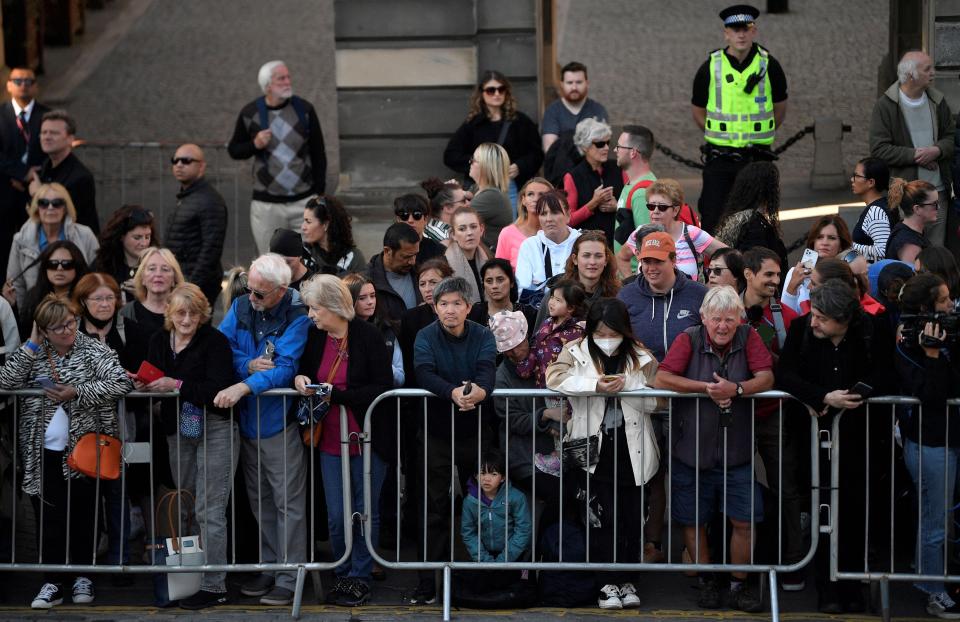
x: 530, y: 259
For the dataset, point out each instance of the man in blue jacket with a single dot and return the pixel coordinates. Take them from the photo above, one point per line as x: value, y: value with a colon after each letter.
x: 267, y: 330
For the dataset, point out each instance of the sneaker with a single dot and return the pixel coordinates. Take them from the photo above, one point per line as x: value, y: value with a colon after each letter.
x: 355, y: 594
x: 204, y: 599
x: 747, y: 599
x: 82, y: 591
x: 939, y: 605
x: 425, y: 594
x: 548, y: 463
x: 793, y: 581
x: 710, y: 597
x: 257, y: 586
x: 337, y: 590
x: 610, y: 597
x: 628, y: 596
x: 652, y: 554
x: 277, y: 596
x: 50, y: 595
x: 137, y: 527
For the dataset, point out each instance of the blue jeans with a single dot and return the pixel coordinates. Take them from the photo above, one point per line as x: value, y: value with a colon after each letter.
x: 939, y: 469
x: 514, y: 194
x: 361, y: 564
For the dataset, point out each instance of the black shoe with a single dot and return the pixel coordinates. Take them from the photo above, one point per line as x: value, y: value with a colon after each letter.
x: 747, y: 599
x: 425, y: 594
x: 828, y: 599
x: 337, y: 590
x: 204, y: 599
x: 853, y: 598
x: 710, y: 596
x: 355, y: 594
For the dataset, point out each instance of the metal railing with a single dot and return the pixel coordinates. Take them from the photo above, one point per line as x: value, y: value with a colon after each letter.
x: 411, y: 412
x: 298, y: 562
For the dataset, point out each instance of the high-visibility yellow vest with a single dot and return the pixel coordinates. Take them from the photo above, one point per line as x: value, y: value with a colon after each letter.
x: 735, y: 118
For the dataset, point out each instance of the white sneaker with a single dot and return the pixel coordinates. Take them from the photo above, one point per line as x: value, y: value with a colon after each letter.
x: 50, y: 595
x: 628, y: 596
x: 941, y: 606
x: 82, y: 591
x: 610, y: 597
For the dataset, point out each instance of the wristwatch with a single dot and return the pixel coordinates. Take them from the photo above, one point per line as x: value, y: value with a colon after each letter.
x: 739, y: 390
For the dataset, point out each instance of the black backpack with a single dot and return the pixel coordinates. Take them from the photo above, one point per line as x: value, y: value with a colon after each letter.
x: 560, y: 159
x: 565, y: 588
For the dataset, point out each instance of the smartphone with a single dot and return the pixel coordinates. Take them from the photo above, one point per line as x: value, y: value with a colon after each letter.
x: 467, y: 388
x: 313, y: 386
x: 610, y: 377
x: 46, y: 383
x: 809, y: 259
x: 148, y: 373
x: 862, y: 389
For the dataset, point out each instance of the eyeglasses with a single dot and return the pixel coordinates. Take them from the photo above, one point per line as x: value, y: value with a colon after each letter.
x: 404, y: 214
x: 494, y: 90
x: 256, y: 294
x: 67, y: 327
x: 858, y: 176
x: 185, y: 161
x: 600, y: 144
x: 660, y: 207
x: 623, y: 147
x: 934, y: 205
x: 103, y: 300
x: 716, y: 271
x: 51, y: 203
x: 53, y: 264
x: 23, y: 81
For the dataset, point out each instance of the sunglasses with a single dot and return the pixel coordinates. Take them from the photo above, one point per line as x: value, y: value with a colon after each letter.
x: 404, y: 214
x: 717, y: 271
x: 660, y: 207
x: 53, y: 264
x: 256, y: 294
x: 494, y: 90
x: 185, y: 161
x: 851, y: 256
x: 51, y: 203
x: 600, y: 144
x: 23, y: 81
x: 139, y: 217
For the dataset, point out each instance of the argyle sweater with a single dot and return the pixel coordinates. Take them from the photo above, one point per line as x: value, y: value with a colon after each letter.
x: 294, y: 164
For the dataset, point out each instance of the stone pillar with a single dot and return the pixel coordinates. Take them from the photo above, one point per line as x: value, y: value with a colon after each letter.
x: 827, y: 170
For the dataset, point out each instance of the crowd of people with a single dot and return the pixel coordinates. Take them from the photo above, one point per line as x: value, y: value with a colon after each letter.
x: 590, y: 279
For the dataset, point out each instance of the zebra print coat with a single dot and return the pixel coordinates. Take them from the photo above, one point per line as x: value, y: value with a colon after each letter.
x: 93, y: 369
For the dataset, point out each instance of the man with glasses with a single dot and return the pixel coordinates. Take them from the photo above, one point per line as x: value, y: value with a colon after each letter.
x: 20, y: 151
x: 267, y: 330
x: 739, y: 100
x: 198, y: 225
x: 414, y: 210
x: 633, y: 151
x: 58, y: 130
x: 392, y: 271
x: 281, y: 132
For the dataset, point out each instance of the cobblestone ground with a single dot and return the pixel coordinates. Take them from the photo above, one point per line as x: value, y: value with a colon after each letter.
x: 642, y: 57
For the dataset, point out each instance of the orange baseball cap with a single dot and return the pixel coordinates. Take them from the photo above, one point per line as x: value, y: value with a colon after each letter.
x: 658, y: 245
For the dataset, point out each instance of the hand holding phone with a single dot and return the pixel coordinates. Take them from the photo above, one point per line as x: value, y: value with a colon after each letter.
x: 809, y: 259
x: 862, y: 389
x: 46, y: 382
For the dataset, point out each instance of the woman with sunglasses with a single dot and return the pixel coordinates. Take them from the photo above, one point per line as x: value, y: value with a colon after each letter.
x: 917, y: 202
x: 870, y: 180
x: 726, y: 268
x: 129, y: 231
x: 664, y: 199
x: 62, y: 266
x: 594, y: 184
x: 445, y: 197
x: 527, y: 223
x: 328, y: 237
x: 414, y: 210
x: 51, y: 217
x: 493, y: 118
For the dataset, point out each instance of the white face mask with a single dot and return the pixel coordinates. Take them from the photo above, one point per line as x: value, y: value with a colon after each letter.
x: 609, y: 345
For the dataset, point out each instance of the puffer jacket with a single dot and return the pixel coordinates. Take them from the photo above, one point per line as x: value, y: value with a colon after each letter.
x: 501, y: 537
x: 575, y: 375
x: 94, y: 370
x: 195, y: 233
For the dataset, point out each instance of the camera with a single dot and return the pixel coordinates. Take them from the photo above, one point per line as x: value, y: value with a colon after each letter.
x: 913, y: 324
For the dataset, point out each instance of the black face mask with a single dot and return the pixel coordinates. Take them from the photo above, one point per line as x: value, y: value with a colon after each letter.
x: 95, y: 321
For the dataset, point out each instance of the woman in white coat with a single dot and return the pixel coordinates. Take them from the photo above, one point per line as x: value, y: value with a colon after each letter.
x: 617, y: 432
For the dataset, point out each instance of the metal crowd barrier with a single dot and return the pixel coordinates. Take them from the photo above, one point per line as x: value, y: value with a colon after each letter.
x: 307, y: 562
x: 881, y: 421
x: 415, y: 411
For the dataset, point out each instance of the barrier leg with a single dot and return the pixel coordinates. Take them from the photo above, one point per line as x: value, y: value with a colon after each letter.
x: 774, y: 600
x: 298, y: 592
x: 885, y: 599
x: 446, y: 593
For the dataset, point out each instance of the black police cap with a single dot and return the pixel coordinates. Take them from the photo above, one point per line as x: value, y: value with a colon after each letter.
x: 739, y: 14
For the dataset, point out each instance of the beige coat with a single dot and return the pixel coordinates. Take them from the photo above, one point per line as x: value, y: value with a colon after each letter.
x: 575, y: 375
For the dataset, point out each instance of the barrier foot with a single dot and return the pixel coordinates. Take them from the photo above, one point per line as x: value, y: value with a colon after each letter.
x: 298, y: 592
x: 774, y: 597
x: 446, y: 593
x: 885, y: 599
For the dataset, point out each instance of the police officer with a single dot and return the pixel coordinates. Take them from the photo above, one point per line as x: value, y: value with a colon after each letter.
x: 739, y: 99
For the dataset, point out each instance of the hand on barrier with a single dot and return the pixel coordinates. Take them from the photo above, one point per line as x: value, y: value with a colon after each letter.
x: 300, y: 383
x: 722, y: 391
x: 61, y: 393
x: 161, y: 385
x: 469, y: 400
x: 231, y: 395
x: 610, y: 384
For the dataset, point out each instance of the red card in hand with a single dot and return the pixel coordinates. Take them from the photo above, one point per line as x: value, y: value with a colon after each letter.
x: 148, y: 373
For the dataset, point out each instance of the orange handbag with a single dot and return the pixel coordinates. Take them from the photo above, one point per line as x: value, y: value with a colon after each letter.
x: 85, y: 453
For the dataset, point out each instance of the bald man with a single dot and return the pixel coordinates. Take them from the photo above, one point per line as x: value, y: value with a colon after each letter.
x: 198, y: 225
x: 912, y: 130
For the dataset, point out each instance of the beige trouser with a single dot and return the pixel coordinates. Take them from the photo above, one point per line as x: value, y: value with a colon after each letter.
x: 265, y: 217
x: 936, y: 232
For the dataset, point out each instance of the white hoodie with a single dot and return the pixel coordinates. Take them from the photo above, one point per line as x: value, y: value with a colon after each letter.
x: 530, y: 258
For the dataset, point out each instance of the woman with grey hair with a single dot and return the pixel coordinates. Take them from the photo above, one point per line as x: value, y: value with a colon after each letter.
x: 347, y: 357
x: 593, y: 186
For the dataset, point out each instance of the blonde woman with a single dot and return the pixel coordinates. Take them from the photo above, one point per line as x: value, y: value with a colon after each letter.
x: 466, y: 253
x: 489, y: 167
x: 527, y: 223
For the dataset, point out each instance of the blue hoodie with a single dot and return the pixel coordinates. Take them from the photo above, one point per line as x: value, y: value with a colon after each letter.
x: 491, y: 516
x: 657, y: 319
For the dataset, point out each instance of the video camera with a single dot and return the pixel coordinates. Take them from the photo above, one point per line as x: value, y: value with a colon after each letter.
x: 913, y: 323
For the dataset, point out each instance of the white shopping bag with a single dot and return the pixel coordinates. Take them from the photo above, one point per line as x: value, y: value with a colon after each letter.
x: 183, y: 584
